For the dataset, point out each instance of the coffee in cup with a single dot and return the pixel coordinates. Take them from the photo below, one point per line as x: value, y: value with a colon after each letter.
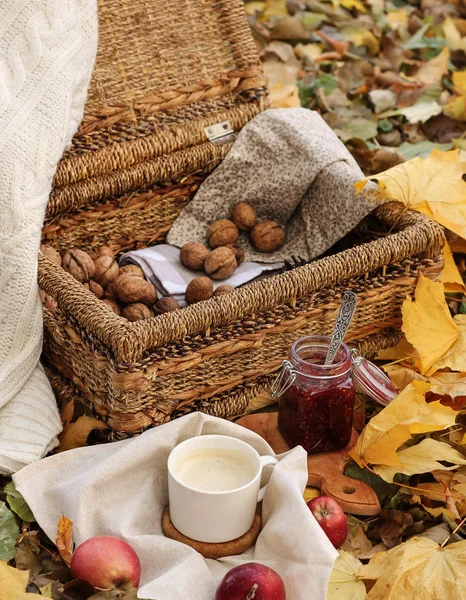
x: 213, y: 487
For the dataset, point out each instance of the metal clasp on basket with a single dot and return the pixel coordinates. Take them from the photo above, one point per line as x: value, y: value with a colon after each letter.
x: 284, y: 379
x: 220, y: 133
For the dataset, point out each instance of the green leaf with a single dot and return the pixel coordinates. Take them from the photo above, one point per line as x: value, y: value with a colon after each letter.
x: 422, y: 149
x: 9, y: 531
x: 17, y: 503
x: 383, y: 489
x: 463, y: 308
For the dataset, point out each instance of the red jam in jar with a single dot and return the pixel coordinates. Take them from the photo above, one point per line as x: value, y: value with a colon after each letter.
x: 316, y: 400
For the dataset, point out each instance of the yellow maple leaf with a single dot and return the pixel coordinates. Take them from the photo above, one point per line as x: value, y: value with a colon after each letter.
x: 450, y: 276
x: 345, y: 582
x: 433, y: 186
x: 402, y: 375
x: 453, y: 384
x: 456, y: 108
x: 427, y: 323
x: 422, y: 458
x: 418, y: 569
x: 455, y: 357
x: 403, y: 351
x: 407, y: 414
x: 13, y: 584
x: 350, y: 4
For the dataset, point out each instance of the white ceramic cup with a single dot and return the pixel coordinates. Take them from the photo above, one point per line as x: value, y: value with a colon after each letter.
x: 212, y: 516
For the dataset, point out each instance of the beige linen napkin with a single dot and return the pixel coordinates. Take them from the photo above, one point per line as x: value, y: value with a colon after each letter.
x: 121, y: 489
x: 291, y: 166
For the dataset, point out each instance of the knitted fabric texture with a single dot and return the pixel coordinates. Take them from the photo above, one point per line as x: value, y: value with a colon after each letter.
x: 47, y: 50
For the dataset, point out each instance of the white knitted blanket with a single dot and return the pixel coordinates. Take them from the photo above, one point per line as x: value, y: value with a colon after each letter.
x: 47, y: 51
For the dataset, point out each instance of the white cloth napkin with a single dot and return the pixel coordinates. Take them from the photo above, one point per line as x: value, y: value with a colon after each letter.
x: 162, y: 267
x: 121, y: 489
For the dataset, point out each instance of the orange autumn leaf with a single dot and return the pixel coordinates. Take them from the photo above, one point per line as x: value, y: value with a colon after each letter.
x: 74, y: 435
x: 64, y: 541
x: 428, y: 325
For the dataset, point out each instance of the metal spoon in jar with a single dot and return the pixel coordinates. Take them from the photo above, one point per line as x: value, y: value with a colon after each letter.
x: 342, y: 324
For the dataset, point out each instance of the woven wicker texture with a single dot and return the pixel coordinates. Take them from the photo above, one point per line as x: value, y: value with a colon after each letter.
x: 140, y: 374
x: 165, y: 70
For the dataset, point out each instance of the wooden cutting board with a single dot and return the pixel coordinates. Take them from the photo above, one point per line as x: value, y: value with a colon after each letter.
x: 325, y: 470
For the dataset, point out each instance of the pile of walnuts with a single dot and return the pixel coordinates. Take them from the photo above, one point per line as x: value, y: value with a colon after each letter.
x: 123, y: 289
x: 224, y: 255
x: 126, y: 291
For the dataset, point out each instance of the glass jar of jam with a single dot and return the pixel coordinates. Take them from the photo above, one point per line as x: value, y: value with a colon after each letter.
x: 316, y: 400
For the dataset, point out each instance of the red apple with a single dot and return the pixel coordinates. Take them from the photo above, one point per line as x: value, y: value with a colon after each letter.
x: 331, y: 518
x: 251, y: 581
x: 106, y: 562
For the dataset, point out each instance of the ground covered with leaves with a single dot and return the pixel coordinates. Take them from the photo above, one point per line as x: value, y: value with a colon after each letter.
x: 388, y: 77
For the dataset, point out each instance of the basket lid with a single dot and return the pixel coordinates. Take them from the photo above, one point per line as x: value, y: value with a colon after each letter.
x: 165, y: 71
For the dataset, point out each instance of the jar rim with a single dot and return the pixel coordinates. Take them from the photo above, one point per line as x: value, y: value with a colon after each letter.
x: 336, y: 368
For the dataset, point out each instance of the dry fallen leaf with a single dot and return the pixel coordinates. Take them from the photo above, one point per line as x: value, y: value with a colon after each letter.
x: 418, y: 569
x: 453, y: 36
x: 64, y: 539
x: 456, y: 108
x: 427, y: 323
x: 450, y: 276
x: 358, y: 545
x: 407, y: 414
x: 13, y: 584
x: 345, y: 582
x: 422, y: 458
x: 433, y: 70
x: 433, y: 186
x: 455, y: 357
x: 75, y: 434
x: 390, y: 527
x: 442, y: 383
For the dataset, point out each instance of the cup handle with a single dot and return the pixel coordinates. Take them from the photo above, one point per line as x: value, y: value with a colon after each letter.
x: 265, y: 461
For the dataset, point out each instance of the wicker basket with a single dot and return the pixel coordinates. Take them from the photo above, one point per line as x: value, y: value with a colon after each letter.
x: 135, y: 163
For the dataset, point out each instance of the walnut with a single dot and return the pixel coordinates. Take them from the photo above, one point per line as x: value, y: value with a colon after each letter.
x: 200, y: 288
x: 165, y: 305
x: 136, y: 312
x: 51, y: 253
x: 268, y: 236
x: 112, y: 305
x: 109, y: 292
x: 104, y: 251
x: 238, y: 252
x: 132, y: 289
x: 193, y: 255
x: 220, y: 263
x: 106, y: 270
x: 243, y: 216
x: 223, y: 289
x: 133, y: 269
x: 79, y: 264
x: 96, y: 289
x: 222, y: 233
